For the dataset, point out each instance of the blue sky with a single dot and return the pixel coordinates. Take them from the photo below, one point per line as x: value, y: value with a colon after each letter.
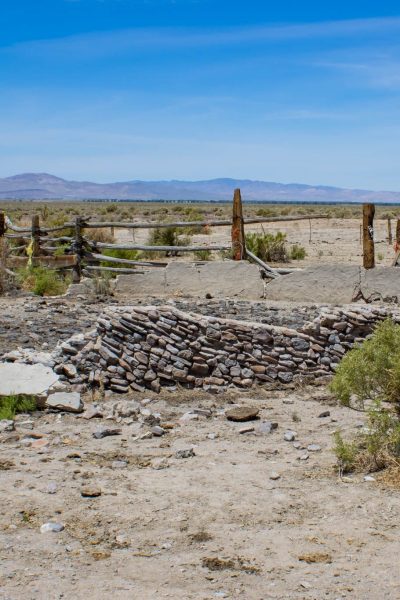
x: 110, y: 90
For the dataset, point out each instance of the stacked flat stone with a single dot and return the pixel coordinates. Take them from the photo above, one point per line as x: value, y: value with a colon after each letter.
x: 138, y: 348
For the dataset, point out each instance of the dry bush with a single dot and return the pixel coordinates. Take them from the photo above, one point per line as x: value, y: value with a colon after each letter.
x: 102, y: 235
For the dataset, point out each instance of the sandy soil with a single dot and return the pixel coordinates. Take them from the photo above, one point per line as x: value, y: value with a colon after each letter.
x: 211, y: 526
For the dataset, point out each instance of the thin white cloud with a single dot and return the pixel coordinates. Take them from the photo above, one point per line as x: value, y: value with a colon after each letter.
x: 99, y: 44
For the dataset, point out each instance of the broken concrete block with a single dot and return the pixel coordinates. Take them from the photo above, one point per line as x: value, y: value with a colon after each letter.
x: 67, y: 401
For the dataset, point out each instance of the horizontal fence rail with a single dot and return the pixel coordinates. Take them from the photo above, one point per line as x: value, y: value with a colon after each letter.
x: 84, y: 256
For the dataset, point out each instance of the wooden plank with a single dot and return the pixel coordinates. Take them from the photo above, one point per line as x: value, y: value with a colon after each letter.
x: 368, y: 236
x: 126, y: 261
x: 269, y: 270
x: 238, y: 239
x: 160, y: 248
x: 53, y: 262
x: 113, y: 270
x: 209, y: 223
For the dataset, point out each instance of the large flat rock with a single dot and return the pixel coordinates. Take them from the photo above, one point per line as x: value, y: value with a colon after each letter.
x: 337, y: 284
x: 17, y: 378
x: 218, y: 278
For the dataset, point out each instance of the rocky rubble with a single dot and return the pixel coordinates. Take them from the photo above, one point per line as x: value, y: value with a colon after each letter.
x: 134, y: 348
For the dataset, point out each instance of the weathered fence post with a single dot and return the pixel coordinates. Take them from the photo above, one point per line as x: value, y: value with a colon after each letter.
x: 35, y: 237
x: 390, y: 236
x: 2, y: 224
x: 2, y: 250
x: 238, y: 239
x: 368, y: 236
x: 397, y: 242
x: 79, y: 250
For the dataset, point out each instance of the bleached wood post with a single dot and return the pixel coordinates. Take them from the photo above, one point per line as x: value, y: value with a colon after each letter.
x: 390, y: 236
x: 78, y: 249
x: 368, y: 236
x: 238, y: 239
x: 2, y: 250
x: 35, y: 237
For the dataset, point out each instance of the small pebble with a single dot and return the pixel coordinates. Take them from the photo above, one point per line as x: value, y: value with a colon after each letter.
x: 51, y: 528
x: 274, y: 476
x: 314, y: 448
x: 289, y: 436
x: 188, y: 453
x: 157, y: 431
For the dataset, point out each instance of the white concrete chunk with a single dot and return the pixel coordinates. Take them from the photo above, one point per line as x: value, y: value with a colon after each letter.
x: 68, y: 401
x: 18, y: 378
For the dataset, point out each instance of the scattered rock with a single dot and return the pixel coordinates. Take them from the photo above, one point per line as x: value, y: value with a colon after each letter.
x: 51, y: 527
x: 106, y: 432
x: 188, y: 453
x: 274, y: 476
x: 157, y: 431
x: 92, y: 411
x: 325, y: 413
x: 6, y: 425
x: 89, y: 491
x: 266, y: 427
x: 248, y: 429
x: 314, y: 448
x: 159, y: 463
x: 289, y: 436
x: 242, y: 413
x: 304, y: 456
x: 65, y: 401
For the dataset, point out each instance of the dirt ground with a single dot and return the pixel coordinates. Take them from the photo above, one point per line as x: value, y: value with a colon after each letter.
x: 249, y: 516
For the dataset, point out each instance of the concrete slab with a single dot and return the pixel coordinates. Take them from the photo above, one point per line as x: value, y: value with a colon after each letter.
x: 382, y: 282
x: 323, y: 283
x: 17, y: 378
x: 219, y: 278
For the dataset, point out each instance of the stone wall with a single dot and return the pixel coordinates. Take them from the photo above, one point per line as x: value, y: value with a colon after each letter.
x: 150, y: 347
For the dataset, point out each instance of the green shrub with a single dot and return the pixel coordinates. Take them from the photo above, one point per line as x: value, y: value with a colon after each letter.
x: 203, y: 255
x: 375, y: 448
x: 167, y: 236
x: 42, y: 281
x: 11, y: 405
x: 372, y: 370
x: 371, y: 373
x: 267, y: 246
x: 297, y: 252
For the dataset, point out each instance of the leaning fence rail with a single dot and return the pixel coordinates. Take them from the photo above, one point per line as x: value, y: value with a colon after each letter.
x: 85, y: 256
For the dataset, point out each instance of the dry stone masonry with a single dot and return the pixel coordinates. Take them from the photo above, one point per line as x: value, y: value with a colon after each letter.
x: 138, y: 348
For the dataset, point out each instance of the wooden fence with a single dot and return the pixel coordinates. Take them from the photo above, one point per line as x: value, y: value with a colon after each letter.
x: 84, y: 256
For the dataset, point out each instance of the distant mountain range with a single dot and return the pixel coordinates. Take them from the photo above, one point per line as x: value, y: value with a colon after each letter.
x: 42, y: 186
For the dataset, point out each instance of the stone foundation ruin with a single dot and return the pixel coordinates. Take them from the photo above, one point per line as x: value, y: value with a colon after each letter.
x: 148, y: 347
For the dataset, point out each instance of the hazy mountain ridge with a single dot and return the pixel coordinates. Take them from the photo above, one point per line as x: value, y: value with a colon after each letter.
x: 43, y: 186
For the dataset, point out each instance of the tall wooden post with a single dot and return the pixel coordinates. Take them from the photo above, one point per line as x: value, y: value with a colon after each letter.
x: 35, y: 236
x: 368, y: 236
x: 2, y: 224
x: 2, y: 250
x: 390, y: 236
x: 238, y: 239
x: 78, y: 249
x: 397, y: 242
